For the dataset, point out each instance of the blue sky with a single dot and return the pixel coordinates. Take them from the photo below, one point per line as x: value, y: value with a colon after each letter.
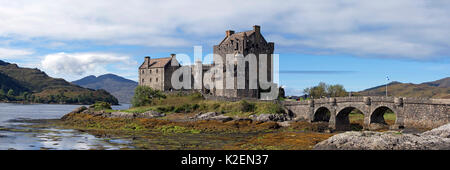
x: 355, y: 43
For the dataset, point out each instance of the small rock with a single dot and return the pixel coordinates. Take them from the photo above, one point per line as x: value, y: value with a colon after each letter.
x: 79, y: 110
x: 122, y: 115
x: 244, y: 120
x: 263, y: 117
x: 284, y: 124
x: 206, y: 115
x: 271, y: 117
x: 150, y: 114
x: 221, y: 118
x: 378, y: 126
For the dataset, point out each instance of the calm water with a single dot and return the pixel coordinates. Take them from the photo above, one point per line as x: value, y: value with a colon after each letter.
x: 15, y: 136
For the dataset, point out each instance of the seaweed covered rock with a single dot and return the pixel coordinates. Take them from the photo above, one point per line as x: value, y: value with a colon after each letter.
x: 150, y: 114
x: 125, y: 115
x: 206, y: 116
x: 221, y: 118
x: 271, y: 117
x: 75, y: 111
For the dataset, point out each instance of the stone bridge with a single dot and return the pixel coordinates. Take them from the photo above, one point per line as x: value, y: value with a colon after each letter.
x: 409, y: 112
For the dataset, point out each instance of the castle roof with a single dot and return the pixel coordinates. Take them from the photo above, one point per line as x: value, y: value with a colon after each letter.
x: 239, y: 35
x: 156, y: 63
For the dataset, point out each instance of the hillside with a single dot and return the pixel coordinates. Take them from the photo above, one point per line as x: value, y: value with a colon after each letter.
x: 435, y: 89
x: 33, y: 85
x: 440, y: 83
x: 121, y: 88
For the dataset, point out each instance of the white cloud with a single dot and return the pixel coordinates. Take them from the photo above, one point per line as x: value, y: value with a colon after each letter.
x: 9, y: 53
x: 417, y: 29
x: 75, y: 65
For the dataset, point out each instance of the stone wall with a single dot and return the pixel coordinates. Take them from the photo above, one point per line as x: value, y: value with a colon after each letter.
x: 426, y: 113
x: 153, y: 77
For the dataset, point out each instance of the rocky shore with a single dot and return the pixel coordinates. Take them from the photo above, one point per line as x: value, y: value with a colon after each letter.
x: 198, y: 117
x: 436, y: 139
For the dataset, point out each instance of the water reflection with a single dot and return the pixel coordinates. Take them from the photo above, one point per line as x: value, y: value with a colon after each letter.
x: 15, y: 136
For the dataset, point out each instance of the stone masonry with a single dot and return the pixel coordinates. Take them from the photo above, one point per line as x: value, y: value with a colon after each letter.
x: 157, y: 73
x: 424, y: 113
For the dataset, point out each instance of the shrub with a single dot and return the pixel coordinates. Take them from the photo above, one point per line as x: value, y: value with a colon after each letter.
x: 165, y: 109
x: 245, y: 106
x: 186, y: 108
x: 144, y: 95
x: 101, y: 106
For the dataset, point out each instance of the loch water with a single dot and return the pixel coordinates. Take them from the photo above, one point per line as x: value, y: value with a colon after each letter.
x: 14, y: 135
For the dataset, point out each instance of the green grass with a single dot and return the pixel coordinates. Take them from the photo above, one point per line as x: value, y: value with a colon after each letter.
x: 194, y: 103
x: 177, y: 129
x: 357, y: 117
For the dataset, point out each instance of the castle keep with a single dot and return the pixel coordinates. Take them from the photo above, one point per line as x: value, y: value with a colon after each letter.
x: 157, y: 73
x: 244, y: 43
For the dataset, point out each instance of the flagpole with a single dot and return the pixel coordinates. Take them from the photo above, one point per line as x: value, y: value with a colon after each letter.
x: 386, y: 89
x: 387, y: 82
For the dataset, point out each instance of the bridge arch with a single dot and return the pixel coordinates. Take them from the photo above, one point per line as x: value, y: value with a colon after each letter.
x: 378, y: 117
x: 343, y: 118
x: 322, y: 114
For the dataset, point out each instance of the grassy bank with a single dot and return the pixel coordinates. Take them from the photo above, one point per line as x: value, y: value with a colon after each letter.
x: 194, y: 103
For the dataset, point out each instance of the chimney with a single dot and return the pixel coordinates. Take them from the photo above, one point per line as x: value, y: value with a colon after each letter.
x: 229, y: 32
x: 257, y: 28
x: 173, y: 55
x: 147, y: 60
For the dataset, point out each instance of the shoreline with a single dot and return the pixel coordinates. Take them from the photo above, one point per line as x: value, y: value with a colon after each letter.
x: 151, y: 133
x: 30, y: 103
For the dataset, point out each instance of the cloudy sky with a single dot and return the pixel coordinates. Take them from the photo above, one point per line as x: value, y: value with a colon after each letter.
x: 354, y: 42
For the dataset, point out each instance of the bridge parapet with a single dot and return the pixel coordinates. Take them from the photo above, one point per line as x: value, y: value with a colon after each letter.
x: 412, y: 112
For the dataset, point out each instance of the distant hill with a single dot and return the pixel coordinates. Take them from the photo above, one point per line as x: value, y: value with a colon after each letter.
x: 7, y: 83
x: 34, y: 85
x: 435, y: 89
x: 440, y: 83
x: 121, y: 88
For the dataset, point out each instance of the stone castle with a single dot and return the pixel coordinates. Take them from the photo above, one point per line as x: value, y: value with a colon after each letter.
x: 157, y: 73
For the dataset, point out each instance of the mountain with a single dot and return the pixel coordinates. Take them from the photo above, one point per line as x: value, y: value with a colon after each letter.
x: 34, y: 85
x: 440, y: 83
x: 121, y: 88
x: 435, y: 89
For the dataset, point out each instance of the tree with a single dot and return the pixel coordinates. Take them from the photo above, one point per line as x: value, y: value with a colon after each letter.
x: 25, y: 96
x: 2, y: 92
x: 10, y: 93
x: 144, y: 95
x: 336, y: 91
x: 317, y: 91
x: 324, y: 90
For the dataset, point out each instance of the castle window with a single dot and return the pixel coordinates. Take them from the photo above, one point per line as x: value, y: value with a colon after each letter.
x: 150, y: 71
x: 150, y: 80
x: 142, y: 71
x: 157, y: 72
x: 156, y: 79
x: 143, y: 80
